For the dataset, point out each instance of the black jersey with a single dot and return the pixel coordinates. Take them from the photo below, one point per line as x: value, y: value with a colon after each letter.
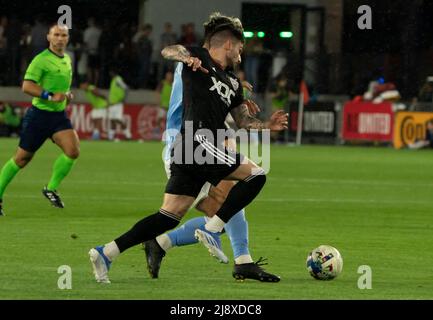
x: 208, y: 98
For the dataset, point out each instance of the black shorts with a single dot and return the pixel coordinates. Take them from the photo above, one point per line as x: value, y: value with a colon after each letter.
x: 39, y: 125
x: 189, y: 175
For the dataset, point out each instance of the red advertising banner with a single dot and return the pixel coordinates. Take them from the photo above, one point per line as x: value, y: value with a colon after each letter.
x: 368, y: 121
x: 142, y: 120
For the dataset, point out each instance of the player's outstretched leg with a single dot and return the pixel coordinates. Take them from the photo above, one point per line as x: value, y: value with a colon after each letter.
x: 213, y: 244
x: 245, y: 268
x: 100, y: 264
x: 61, y: 169
x: 146, y: 229
x: 254, y: 271
x: 154, y: 255
x: 185, y: 235
x: 8, y: 172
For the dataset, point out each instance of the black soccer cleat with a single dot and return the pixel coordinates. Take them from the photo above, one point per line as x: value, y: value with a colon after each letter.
x: 154, y: 255
x: 254, y: 271
x: 2, y: 213
x: 53, y: 197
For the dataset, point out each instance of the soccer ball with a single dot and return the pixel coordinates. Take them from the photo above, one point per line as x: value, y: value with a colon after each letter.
x: 324, y: 263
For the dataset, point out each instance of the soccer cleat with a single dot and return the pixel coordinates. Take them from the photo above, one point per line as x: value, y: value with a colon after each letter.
x: 2, y: 213
x: 213, y: 245
x: 100, y: 264
x: 254, y: 271
x: 53, y: 197
x: 154, y: 255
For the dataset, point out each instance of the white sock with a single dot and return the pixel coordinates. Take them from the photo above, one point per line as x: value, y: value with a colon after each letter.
x: 111, y: 250
x: 215, y: 224
x: 111, y: 134
x: 127, y: 134
x: 164, y: 242
x: 244, y: 259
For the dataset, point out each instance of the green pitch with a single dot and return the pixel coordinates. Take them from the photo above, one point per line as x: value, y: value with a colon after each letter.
x: 373, y: 204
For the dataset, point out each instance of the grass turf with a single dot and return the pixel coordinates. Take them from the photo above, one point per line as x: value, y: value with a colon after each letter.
x: 373, y: 204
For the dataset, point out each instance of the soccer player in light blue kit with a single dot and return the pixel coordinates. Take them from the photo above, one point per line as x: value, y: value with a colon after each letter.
x: 209, y: 201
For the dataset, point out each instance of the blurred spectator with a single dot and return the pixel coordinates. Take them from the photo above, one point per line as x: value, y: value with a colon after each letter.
x: 108, y: 48
x: 189, y: 37
x: 99, y: 105
x: 91, y: 38
x: 116, y: 99
x: 280, y: 93
x: 3, y: 49
x: 381, y: 92
x: 10, y: 120
x: 12, y: 33
x: 253, y: 50
x: 144, y: 51
x: 38, y: 37
x: 426, y: 92
x: 25, y: 48
x: 428, y: 140
x: 164, y: 90
x: 168, y: 38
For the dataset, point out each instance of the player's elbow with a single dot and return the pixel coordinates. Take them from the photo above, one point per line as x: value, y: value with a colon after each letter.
x: 24, y: 87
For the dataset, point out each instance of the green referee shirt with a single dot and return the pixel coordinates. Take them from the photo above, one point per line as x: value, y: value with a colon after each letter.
x: 117, y: 90
x: 54, y: 74
x: 95, y: 101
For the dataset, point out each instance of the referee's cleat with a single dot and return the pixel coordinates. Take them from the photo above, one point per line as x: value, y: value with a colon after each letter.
x: 212, y: 244
x: 2, y: 213
x: 154, y: 255
x: 100, y: 264
x: 53, y: 197
x: 254, y: 271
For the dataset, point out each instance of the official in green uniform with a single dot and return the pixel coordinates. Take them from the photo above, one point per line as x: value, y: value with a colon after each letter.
x: 99, y: 105
x: 48, y: 80
x: 116, y: 99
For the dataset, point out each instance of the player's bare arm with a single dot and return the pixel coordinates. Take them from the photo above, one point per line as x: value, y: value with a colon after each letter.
x: 34, y: 90
x: 181, y: 54
x: 244, y: 119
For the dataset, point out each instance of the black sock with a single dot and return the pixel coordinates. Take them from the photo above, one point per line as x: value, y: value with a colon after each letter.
x: 241, y: 195
x: 147, y: 229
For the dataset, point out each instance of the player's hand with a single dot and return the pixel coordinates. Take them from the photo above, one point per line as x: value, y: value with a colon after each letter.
x: 69, y: 96
x: 279, y: 121
x: 253, y: 108
x: 247, y: 85
x: 195, y: 64
x: 58, y: 97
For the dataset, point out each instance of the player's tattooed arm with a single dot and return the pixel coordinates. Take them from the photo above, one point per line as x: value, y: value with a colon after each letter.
x: 181, y: 54
x: 243, y: 119
x: 176, y: 53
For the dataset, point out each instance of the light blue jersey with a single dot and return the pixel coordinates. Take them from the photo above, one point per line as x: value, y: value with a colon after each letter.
x: 175, y: 111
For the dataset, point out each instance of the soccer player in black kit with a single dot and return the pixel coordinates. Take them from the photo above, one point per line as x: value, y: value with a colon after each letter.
x: 210, y: 92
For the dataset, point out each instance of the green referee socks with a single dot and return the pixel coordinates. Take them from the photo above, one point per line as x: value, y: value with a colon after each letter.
x: 9, y: 170
x: 61, y: 169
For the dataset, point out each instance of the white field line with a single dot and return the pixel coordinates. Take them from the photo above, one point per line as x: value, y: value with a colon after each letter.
x: 271, y: 200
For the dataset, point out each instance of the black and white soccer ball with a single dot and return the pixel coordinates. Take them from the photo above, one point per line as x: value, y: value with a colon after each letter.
x: 324, y: 263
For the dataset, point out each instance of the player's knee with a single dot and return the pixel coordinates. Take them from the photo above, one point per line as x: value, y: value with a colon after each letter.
x: 22, y: 161
x: 258, y: 181
x: 73, y: 153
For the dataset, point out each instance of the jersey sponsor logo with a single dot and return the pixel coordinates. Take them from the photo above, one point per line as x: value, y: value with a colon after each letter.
x: 235, y: 83
x: 223, y: 90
